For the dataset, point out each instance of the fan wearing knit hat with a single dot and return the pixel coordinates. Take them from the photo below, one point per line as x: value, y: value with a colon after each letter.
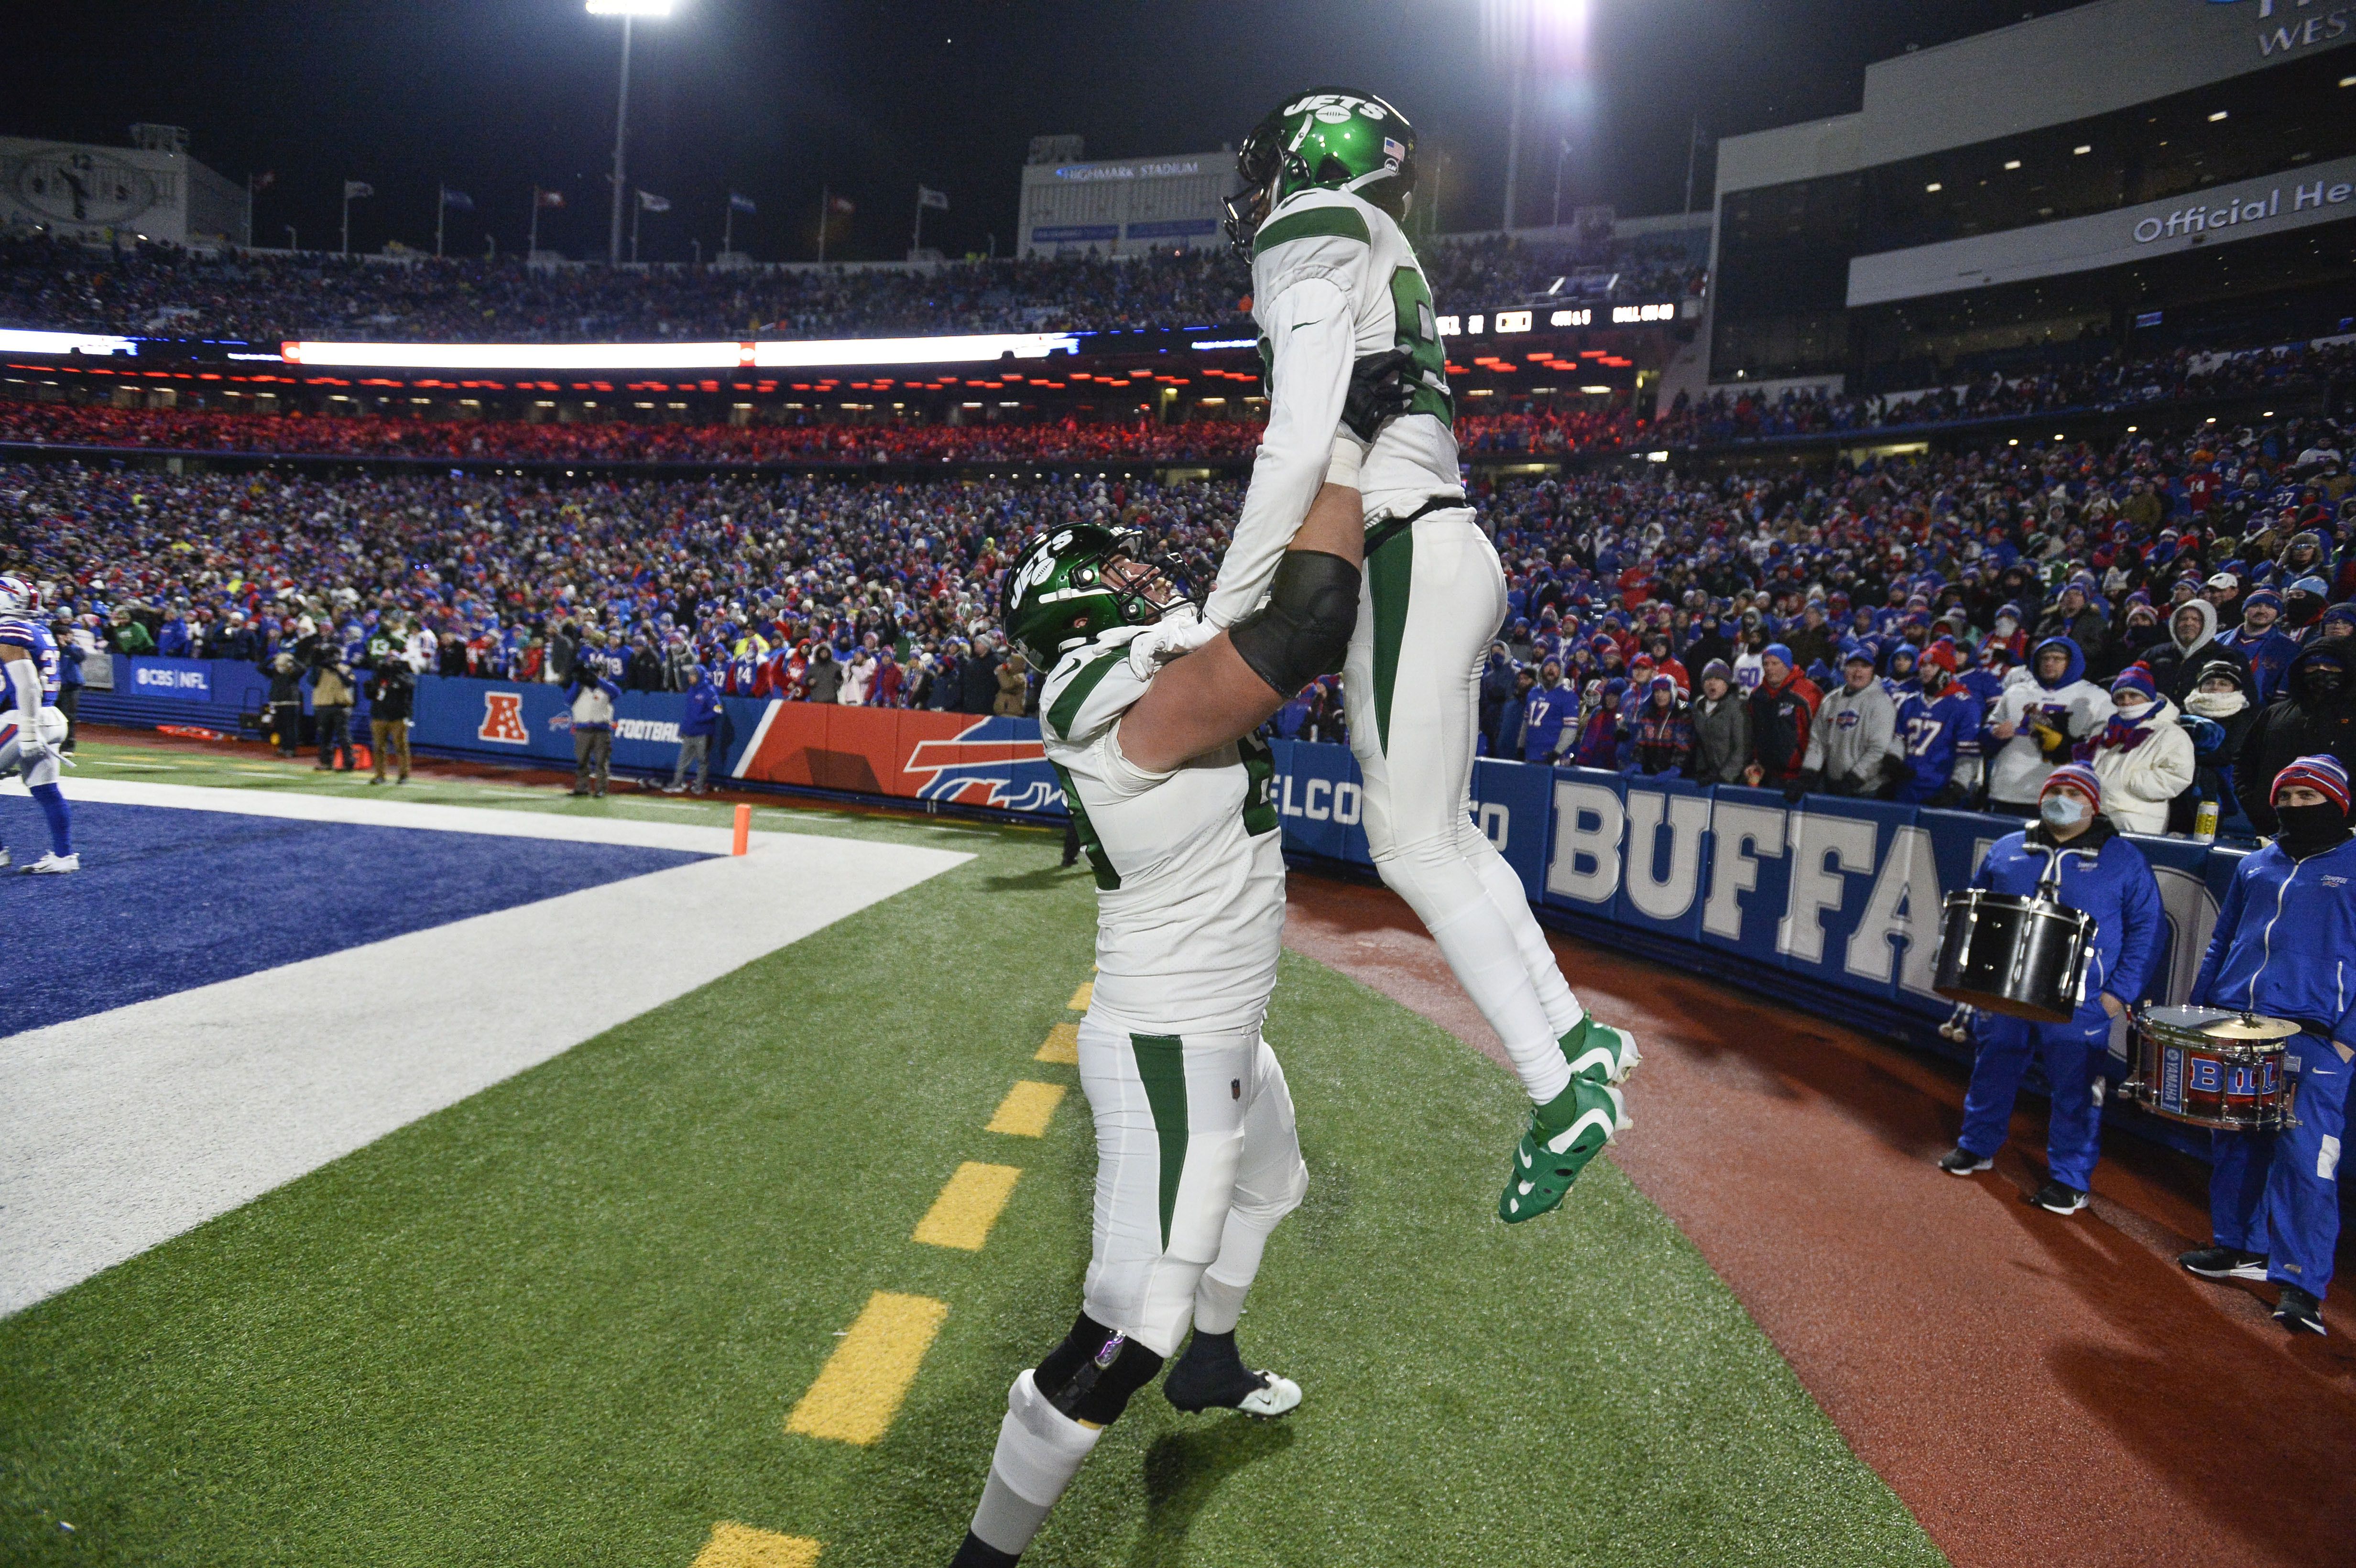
x: 2283, y: 949
x: 2143, y: 755
x: 2095, y: 870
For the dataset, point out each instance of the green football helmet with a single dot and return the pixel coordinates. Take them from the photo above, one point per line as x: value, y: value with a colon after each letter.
x: 1331, y: 138
x: 1062, y: 590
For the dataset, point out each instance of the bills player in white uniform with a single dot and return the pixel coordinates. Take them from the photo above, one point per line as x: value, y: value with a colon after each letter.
x: 31, y: 726
x: 1335, y: 284
x: 1196, y: 1156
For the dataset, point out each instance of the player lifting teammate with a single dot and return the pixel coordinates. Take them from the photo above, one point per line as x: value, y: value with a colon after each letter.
x: 31, y: 726
x: 1328, y: 177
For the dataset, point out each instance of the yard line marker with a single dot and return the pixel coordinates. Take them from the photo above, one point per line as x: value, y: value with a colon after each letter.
x: 1026, y: 1110
x: 858, y: 1389
x: 968, y: 1207
x: 1083, y: 996
x: 1063, y: 1045
x: 742, y: 1546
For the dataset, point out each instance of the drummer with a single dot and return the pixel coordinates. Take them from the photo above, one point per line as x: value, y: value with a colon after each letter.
x: 2107, y: 878
x: 2286, y: 948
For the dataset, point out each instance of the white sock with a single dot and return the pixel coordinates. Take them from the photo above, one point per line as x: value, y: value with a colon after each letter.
x: 1479, y: 947
x: 1039, y: 1451
x: 1504, y: 888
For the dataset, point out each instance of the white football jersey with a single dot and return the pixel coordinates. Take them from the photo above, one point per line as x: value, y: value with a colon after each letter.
x: 1189, y: 864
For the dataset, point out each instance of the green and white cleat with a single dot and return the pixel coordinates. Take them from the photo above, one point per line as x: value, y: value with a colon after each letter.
x: 1564, y: 1134
x: 1599, y: 1053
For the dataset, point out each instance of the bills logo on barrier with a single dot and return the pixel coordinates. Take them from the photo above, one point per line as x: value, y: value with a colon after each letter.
x: 503, y: 720
x: 1009, y: 776
x: 911, y: 753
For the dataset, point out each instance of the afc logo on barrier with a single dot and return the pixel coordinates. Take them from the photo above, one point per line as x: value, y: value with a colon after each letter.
x: 503, y: 719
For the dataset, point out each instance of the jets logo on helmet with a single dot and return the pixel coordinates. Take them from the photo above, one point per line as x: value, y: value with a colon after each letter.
x: 1327, y: 139
x: 17, y: 595
x: 1077, y: 582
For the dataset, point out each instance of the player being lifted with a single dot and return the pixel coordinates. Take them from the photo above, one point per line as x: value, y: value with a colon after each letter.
x: 1196, y: 1158
x: 1328, y: 179
x: 31, y: 726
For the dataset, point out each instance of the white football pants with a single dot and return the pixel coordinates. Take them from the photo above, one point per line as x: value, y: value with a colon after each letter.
x: 1431, y: 601
x: 12, y: 756
x: 1197, y: 1161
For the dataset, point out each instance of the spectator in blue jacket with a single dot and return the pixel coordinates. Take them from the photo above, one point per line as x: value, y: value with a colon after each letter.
x: 590, y: 695
x: 2257, y: 640
x: 1513, y: 715
x: 697, y: 728
x: 70, y: 657
x: 1548, y: 711
x: 2102, y: 874
x: 2285, y: 947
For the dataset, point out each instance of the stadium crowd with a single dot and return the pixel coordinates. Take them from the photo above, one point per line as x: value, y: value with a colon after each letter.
x: 1944, y: 628
x: 264, y: 296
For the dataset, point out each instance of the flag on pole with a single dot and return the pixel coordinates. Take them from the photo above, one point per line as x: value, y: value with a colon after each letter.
x: 354, y: 189
x: 927, y: 196
x: 649, y: 202
x: 458, y: 198
x: 841, y: 205
x: 740, y: 202
x: 552, y: 199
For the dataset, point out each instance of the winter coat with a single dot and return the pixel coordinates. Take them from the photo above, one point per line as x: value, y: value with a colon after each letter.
x: 1014, y: 687
x: 2285, y: 945
x: 825, y: 675
x: 2074, y: 706
x: 1854, y: 731
x: 1721, y: 739
x: 2175, y: 666
x: 2143, y: 771
x: 2303, y: 723
x: 1782, y: 719
x: 702, y: 714
x: 592, y: 702
x: 2105, y: 875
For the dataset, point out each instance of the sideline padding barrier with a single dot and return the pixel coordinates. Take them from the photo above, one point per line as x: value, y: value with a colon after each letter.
x: 907, y: 753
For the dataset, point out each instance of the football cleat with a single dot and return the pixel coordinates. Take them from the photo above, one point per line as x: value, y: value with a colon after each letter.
x: 54, y: 864
x: 1215, y: 1379
x: 1564, y: 1134
x: 1600, y: 1053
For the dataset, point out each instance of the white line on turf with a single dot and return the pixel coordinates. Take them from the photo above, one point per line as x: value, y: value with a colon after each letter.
x: 124, y: 1129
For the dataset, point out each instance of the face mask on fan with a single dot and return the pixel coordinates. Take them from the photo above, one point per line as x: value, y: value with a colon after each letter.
x: 2216, y: 704
x: 2061, y: 809
x: 2311, y: 827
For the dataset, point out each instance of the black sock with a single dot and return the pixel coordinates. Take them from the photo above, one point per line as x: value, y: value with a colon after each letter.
x: 979, y: 1553
x: 1211, y: 1373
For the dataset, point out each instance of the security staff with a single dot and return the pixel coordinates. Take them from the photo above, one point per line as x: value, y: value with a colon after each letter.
x: 2102, y: 874
x: 2285, y: 947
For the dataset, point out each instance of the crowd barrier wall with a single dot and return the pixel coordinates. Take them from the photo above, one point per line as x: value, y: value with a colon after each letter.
x: 1830, y: 905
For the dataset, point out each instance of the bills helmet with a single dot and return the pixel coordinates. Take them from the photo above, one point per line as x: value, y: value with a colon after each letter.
x: 1078, y: 581
x: 17, y: 594
x: 1328, y: 138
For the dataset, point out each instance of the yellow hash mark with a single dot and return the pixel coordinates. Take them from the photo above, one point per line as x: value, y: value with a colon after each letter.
x: 1026, y: 1110
x: 968, y: 1207
x: 1063, y: 1045
x: 1083, y: 996
x: 858, y: 1389
x: 742, y: 1546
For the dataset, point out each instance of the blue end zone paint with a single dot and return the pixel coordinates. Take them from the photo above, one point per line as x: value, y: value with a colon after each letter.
x: 168, y: 900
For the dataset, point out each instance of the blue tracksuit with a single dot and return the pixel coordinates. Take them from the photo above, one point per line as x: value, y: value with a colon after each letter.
x: 1544, y: 711
x: 2108, y: 878
x: 1931, y: 732
x: 2285, y: 947
x: 702, y: 716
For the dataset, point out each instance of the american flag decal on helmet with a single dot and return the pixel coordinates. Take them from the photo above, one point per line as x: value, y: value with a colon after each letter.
x: 1393, y: 150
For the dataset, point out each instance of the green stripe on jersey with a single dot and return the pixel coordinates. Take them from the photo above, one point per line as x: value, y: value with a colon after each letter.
x: 1342, y: 222
x: 1162, y: 1068
x: 1390, y: 568
x: 1076, y: 692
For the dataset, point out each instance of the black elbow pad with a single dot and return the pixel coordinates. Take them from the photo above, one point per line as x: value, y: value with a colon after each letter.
x: 1303, y: 630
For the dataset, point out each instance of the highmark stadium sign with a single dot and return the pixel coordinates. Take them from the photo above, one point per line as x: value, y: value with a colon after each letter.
x: 2288, y: 26
x: 2320, y: 193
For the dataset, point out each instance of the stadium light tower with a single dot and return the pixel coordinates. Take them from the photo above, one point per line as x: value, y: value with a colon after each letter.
x: 630, y: 11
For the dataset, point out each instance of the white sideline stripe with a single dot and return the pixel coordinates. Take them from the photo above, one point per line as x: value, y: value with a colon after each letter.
x: 752, y: 747
x: 122, y: 1130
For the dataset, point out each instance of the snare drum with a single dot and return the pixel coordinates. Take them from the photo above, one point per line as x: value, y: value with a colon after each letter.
x: 2211, y: 1067
x: 2025, y: 958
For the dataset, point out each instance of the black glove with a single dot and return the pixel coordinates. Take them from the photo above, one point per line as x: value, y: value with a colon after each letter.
x: 1896, y: 770
x: 1805, y: 784
x: 1381, y: 388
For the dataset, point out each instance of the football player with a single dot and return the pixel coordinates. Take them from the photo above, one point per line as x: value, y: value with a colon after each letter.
x: 1328, y: 179
x: 31, y: 726
x: 1196, y: 1156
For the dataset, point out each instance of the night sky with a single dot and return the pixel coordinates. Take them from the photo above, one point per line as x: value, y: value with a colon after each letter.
x: 773, y: 98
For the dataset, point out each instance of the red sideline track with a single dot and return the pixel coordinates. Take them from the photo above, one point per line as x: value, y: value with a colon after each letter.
x: 2042, y: 1392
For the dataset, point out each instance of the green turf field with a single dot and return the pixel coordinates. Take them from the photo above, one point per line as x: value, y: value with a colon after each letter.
x: 566, y: 1322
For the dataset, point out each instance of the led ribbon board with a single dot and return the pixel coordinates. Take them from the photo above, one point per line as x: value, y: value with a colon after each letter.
x: 15, y: 342
x: 826, y: 354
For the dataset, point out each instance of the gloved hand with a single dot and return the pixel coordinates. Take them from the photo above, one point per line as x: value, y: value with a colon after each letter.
x: 2052, y: 742
x: 1804, y: 783
x: 1896, y: 770
x: 1180, y: 630
x: 2207, y: 733
x: 1381, y: 388
x: 32, y: 746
